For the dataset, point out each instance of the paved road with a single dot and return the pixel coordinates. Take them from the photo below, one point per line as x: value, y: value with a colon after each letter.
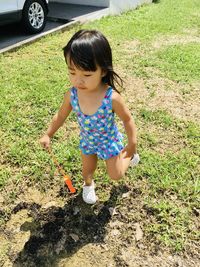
x: 12, y: 34
x: 59, y: 14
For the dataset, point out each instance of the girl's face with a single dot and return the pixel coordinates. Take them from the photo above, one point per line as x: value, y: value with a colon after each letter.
x: 85, y: 80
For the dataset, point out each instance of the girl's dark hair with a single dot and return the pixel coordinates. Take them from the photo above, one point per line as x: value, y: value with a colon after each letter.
x: 88, y: 49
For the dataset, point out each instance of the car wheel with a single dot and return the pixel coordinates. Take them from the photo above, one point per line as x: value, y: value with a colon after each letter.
x: 34, y: 16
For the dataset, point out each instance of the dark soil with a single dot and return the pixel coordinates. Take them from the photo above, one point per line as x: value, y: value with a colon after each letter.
x: 109, y: 233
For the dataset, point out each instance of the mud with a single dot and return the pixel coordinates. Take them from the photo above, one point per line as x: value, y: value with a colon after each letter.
x: 107, y: 234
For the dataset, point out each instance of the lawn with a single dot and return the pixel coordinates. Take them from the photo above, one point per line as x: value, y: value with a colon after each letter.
x: 156, y: 50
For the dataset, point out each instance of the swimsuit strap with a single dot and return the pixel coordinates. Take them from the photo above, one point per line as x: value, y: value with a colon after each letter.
x: 107, y: 101
x: 74, y: 99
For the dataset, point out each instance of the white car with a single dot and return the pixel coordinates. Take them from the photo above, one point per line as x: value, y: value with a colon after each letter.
x: 32, y: 13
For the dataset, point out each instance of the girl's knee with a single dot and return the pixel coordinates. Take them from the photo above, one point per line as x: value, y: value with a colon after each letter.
x: 115, y: 168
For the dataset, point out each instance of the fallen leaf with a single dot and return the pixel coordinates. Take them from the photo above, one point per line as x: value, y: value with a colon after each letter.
x: 112, y: 211
x: 125, y: 195
x: 139, y: 232
x: 116, y: 224
x: 74, y: 237
x: 105, y: 247
x: 49, y: 205
x: 115, y: 232
x: 76, y: 210
x: 1, y: 199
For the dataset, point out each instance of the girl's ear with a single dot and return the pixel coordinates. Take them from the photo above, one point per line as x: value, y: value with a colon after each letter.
x: 103, y: 73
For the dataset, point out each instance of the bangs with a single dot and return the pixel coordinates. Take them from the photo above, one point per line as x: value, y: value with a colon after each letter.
x: 82, y: 56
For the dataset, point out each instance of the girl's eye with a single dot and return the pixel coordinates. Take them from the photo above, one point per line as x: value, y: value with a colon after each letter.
x: 72, y: 73
x: 87, y: 75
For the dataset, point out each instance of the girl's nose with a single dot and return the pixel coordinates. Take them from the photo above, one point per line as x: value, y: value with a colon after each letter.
x: 79, y: 81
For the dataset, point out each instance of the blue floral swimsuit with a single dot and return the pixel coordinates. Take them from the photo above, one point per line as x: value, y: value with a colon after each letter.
x: 98, y: 132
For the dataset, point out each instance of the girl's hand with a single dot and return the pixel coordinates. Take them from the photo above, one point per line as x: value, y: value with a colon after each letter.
x: 45, y: 141
x: 129, y: 151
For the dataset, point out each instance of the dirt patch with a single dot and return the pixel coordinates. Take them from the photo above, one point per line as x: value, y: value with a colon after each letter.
x: 42, y: 235
x: 180, y: 100
x: 110, y: 234
x: 91, y: 255
x: 175, y: 40
x: 131, y: 46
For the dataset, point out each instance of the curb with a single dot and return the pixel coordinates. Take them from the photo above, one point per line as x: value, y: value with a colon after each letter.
x: 61, y: 28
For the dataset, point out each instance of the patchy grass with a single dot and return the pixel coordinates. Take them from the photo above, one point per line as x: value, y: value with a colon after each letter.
x: 34, y: 79
x: 177, y: 62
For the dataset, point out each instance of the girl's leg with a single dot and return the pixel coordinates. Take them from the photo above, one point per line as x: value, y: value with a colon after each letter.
x: 117, y: 166
x: 89, y: 164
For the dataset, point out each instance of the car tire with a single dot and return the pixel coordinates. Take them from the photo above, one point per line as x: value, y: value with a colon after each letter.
x: 34, y: 16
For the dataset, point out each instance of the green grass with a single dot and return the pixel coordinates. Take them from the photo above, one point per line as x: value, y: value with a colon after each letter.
x: 170, y: 222
x: 147, y: 22
x: 177, y: 62
x: 159, y: 117
x: 34, y: 80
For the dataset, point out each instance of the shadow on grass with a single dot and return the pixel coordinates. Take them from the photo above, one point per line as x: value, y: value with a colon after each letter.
x: 60, y: 232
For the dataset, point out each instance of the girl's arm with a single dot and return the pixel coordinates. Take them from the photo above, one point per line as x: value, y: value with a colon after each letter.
x: 124, y: 114
x: 57, y: 120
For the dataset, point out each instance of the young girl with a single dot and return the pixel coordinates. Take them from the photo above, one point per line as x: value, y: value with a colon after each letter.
x: 95, y: 99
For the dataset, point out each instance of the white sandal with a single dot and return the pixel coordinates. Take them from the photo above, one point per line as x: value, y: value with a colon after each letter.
x: 88, y: 194
x: 135, y: 160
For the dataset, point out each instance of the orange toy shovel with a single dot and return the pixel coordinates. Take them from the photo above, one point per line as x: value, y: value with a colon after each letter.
x: 66, y: 177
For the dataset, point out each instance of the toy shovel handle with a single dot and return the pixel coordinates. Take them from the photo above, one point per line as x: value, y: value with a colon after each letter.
x: 66, y: 177
x: 68, y: 182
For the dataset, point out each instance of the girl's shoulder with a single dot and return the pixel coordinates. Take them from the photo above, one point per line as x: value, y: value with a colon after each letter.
x: 116, y: 96
x: 68, y: 92
x: 67, y: 95
x: 117, y: 101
